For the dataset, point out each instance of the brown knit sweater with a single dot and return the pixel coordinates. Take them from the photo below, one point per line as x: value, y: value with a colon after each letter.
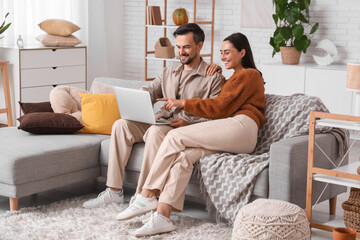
x: 243, y: 93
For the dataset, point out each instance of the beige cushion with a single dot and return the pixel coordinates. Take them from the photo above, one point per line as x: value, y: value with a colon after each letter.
x: 58, y: 27
x: 100, y: 88
x: 66, y: 99
x: 58, y: 41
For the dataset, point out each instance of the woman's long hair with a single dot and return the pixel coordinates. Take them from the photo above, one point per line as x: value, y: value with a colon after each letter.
x: 240, y: 41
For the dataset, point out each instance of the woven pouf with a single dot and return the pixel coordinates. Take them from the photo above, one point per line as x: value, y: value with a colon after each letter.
x: 267, y: 219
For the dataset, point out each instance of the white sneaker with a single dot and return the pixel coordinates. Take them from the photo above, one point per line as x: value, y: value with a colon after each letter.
x: 104, y: 198
x: 137, y: 207
x: 157, y: 224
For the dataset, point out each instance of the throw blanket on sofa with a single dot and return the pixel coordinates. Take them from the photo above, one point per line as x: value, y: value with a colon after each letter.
x: 227, y: 180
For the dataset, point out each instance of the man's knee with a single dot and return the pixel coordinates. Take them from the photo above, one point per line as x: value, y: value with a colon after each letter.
x: 155, y: 132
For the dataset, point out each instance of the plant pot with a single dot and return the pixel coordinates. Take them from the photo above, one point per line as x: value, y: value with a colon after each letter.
x: 289, y: 55
x: 344, y: 234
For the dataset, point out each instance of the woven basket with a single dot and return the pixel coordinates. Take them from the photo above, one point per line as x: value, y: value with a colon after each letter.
x: 289, y: 55
x: 352, y: 210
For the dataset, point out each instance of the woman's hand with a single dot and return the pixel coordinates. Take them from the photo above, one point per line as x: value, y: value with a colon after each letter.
x: 211, y: 69
x: 170, y: 102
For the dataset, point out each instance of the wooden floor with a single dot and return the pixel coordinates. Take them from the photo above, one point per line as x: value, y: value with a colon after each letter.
x: 320, y: 211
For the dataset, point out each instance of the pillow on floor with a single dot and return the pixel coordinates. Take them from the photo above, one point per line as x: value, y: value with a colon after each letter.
x: 99, y: 112
x: 49, y: 123
x: 58, y: 27
x: 35, y: 107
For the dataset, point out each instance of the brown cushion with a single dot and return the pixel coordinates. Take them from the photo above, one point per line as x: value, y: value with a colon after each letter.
x: 58, y: 27
x: 35, y: 107
x: 58, y: 41
x: 49, y: 123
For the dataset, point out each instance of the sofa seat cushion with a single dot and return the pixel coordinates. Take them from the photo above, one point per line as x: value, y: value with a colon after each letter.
x: 28, y: 157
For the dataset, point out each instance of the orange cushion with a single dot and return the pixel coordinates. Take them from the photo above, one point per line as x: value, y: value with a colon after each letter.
x: 58, y: 27
x: 99, y: 112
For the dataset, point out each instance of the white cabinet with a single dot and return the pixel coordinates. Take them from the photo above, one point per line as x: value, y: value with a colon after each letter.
x: 328, y: 83
x: 34, y: 71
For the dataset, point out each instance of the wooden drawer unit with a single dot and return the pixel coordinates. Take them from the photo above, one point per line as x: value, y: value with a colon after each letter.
x: 34, y: 71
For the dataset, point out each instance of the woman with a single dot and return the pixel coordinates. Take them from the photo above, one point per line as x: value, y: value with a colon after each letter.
x: 239, y: 112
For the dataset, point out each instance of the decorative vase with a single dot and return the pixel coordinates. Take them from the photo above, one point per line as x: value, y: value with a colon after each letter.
x: 289, y: 55
x: 344, y: 234
x: 180, y: 16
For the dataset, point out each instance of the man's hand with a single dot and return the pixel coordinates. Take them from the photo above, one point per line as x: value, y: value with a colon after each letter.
x: 170, y: 102
x: 211, y: 69
x: 178, y: 123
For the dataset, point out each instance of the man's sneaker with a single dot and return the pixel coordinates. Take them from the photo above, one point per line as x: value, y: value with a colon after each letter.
x: 156, y: 224
x: 104, y: 198
x: 137, y: 207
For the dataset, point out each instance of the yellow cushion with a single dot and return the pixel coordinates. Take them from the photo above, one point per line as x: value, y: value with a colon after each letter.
x: 58, y: 27
x: 99, y: 112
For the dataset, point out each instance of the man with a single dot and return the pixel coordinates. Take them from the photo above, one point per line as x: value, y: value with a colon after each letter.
x: 188, y: 80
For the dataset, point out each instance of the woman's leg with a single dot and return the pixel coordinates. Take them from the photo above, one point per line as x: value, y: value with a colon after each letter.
x: 237, y: 134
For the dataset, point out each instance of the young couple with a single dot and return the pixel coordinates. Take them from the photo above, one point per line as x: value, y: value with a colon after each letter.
x: 235, y: 107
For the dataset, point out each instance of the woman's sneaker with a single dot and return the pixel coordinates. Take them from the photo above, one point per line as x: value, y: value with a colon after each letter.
x: 156, y: 224
x: 104, y: 198
x: 137, y: 207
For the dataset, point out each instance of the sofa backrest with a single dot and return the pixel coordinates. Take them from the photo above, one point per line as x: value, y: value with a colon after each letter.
x: 135, y: 84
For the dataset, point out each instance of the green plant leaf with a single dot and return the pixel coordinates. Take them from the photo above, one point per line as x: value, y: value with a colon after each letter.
x: 297, y: 30
x: 301, y: 43
x: 285, y: 33
x: 302, y: 18
x: 302, y: 5
x: 2, y: 25
x: 3, y: 29
x: 276, y: 19
x: 278, y: 38
x: 292, y: 15
x: 314, y: 28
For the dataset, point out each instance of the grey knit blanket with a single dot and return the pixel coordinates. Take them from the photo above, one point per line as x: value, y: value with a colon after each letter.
x: 227, y: 180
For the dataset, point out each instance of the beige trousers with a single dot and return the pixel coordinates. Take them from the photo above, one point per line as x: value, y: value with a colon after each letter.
x: 124, y: 134
x: 182, y: 147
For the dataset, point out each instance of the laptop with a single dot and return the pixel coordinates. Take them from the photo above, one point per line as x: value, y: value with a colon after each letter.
x: 135, y: 105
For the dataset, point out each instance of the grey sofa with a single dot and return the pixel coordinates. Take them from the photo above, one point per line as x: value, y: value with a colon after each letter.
x: 30, y: 163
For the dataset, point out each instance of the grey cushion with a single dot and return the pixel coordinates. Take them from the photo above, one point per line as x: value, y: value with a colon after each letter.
x: 29, y: 157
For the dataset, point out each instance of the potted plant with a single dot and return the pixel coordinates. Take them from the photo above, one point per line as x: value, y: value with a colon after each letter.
x: 292, y: 19
x: 3, y: 27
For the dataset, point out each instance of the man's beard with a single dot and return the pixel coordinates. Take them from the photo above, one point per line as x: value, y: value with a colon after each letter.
x: 189, y: 60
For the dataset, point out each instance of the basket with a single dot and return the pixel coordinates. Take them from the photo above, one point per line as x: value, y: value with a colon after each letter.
x: 352, y: 210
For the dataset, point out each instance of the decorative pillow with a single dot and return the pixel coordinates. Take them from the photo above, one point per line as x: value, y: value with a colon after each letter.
x: 66, y: 99
x: 35, y: 107
x: 49, y: 123
x: 58, y: 27
x: 58, y: 41
x: 99, y: 112
x: 102, y: 88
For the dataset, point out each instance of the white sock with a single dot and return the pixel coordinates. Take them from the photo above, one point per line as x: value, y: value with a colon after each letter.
x: 116, y: 192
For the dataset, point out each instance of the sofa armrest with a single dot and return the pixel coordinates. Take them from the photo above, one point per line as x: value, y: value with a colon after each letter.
x: 288, y: 168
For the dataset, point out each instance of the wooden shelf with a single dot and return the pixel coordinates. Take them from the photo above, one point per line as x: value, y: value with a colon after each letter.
x: 345, y: 175
x: 166, y: 27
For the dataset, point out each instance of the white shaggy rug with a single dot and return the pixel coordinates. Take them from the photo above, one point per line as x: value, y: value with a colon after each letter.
x: 68, y: 220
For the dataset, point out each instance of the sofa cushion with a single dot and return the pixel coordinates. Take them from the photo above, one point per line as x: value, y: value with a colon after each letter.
x: 49, y: 123
x: 27, y: 157
x: 35, y: 107
x: 99, y: 112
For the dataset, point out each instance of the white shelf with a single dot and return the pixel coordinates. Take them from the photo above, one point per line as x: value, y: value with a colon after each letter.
x: 335, y: 180
x: 163, y: 59
x: 338, y: 124
x: 349, y: 168
x: 162, y: 26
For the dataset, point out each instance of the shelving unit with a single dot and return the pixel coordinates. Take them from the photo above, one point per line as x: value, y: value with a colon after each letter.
x: 341, y: 175
x: 150, y: 54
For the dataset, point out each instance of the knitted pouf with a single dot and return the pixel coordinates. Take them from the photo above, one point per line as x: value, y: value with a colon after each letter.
x: 268, y: 219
